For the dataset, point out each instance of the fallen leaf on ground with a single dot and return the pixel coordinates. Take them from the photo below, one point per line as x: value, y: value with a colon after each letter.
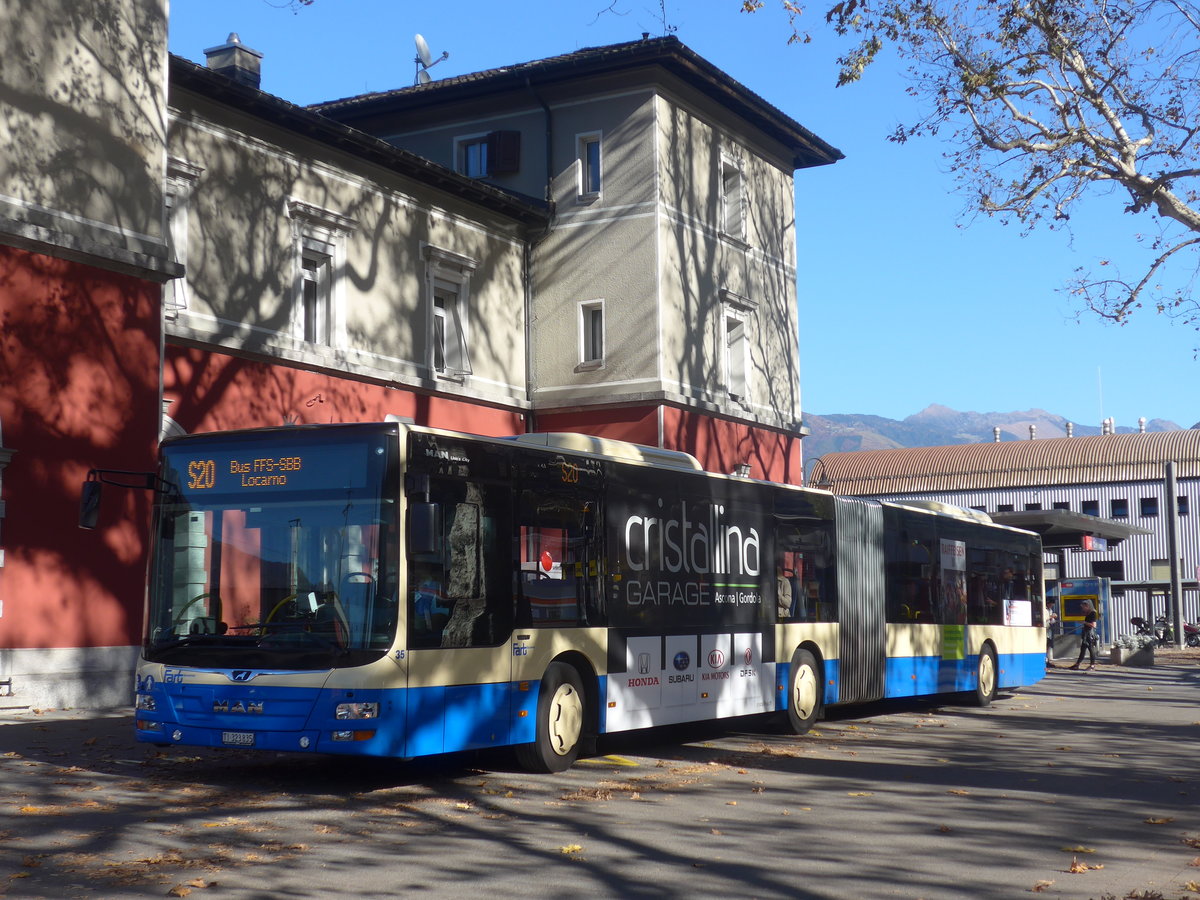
x: 1041, y: 886
x: 1077, y: 867
x: 570, y: 848
x: 1159, y: 821
x: 1077, y: 850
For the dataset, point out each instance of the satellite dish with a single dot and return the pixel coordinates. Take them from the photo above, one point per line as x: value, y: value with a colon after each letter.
x: 425, y: 60
x: 423, y: 56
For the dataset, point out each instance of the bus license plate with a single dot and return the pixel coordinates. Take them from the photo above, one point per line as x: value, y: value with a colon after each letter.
x: 238, y: 738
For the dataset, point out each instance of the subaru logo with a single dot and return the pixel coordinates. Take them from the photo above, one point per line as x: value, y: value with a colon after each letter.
x: 682, y: 661
x: 241, y: 674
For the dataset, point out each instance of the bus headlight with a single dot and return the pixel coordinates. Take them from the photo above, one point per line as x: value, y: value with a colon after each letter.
x: 146, y: 703
x: 357, y: 711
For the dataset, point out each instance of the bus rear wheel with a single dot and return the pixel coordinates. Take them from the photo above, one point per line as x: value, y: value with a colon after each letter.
x: 561, y: 713
x: 804, y: 692
x: 985, y: 683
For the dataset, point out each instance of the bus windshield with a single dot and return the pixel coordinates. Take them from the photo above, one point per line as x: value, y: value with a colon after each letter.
x: 275, y: 558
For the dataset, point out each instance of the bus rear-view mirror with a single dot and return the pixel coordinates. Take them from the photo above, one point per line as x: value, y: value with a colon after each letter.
x: 89, y: 504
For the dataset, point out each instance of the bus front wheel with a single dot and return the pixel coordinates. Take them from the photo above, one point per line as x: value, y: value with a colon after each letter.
x: 804, y: 692
x: 985, y: 683
x: 561, y: 711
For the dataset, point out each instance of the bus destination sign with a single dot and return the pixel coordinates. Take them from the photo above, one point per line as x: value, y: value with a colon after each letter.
x: 237, y: 469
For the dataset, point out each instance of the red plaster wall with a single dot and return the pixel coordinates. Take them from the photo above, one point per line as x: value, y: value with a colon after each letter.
x: 78, y: 389
x: 636, y: 424
x: 719, y: 444
x: 215, y: 391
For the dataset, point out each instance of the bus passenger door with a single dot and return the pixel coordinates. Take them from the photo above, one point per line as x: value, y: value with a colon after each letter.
x: 459, y: 616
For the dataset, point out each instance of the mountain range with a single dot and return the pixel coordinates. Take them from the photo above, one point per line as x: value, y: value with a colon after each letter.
x: 936, y: 426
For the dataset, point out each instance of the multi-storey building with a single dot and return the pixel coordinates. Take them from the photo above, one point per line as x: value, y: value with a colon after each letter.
x: 600, y: 242
x: 662, y: 307
x: 1121, y: 478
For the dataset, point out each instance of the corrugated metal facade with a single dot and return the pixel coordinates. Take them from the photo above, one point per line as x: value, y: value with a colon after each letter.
x: 861, y: 597
x: 1041, y: 474
x: 1018, y: 464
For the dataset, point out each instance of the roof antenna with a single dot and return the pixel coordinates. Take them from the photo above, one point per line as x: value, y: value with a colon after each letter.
x: 425, y: 61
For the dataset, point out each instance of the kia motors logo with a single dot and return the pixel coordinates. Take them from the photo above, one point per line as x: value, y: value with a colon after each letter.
x: 716, y: 659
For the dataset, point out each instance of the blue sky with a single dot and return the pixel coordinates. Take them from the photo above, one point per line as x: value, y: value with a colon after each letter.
x: 903, y: 303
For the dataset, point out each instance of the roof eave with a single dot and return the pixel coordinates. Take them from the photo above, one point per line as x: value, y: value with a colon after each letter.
x: 187, y: 75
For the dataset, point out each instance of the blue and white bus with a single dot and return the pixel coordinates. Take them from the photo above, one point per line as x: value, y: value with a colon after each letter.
x: 397, y: 591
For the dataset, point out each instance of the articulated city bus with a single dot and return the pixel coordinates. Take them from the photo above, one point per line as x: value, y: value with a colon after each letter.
x: 391, y: 590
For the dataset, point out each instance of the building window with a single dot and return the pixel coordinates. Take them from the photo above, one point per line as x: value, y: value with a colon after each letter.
x: 1160, y: 570
x: 181, y: 180
x: 1004, y: 507
x: 1109, y: 568
x: 981, y: 509
x: 447, y: 336
x: 471, y: 156
x: 1183, y: 506
x: 589, y: 165
x: 1061, y: 504
x: 1029, y: 507
x: 1119, y: 508
x: 319, y: 237
x: 1148, y: 506
x: 733, y: 199
x: 591, y: 333
x: 1090, y: 507
x: 316, y: 289
x: 736, y: 342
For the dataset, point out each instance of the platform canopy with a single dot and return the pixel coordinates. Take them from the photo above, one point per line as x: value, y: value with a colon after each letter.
x: 1062, y: 529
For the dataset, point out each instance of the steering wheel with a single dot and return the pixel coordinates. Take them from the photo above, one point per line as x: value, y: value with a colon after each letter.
x: 278, y: 606
x: 182, y: 614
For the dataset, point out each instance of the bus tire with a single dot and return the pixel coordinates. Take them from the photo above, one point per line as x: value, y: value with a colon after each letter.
x: 986, y: 675
x: 804, y: 692
x: 561, y: 715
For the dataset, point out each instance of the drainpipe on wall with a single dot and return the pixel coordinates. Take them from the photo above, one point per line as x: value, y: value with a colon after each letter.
x: 6, y: 454
x: 530, y: 244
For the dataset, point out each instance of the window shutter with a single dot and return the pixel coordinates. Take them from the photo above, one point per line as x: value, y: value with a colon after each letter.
x: 504, y: 152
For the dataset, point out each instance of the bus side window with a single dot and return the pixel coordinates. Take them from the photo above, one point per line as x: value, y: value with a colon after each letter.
x: 559, y: 565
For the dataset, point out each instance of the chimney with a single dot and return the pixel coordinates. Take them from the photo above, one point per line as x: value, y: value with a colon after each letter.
x: 996, y: 434
x: 1070, y: 429
x: 235, y: 60
x: 1033, y: 432
x: 1142, y: 425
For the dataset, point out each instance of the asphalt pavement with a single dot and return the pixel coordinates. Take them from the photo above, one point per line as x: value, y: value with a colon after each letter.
x: 1083, y: 786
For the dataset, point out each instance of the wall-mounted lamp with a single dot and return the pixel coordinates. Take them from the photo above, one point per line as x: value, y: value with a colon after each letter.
x: 742, y: 470
x: 818, y: 476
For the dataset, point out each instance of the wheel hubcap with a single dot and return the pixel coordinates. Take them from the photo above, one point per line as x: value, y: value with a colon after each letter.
x: 804, y: 692
x: 987, y: 674
x: 566, y: 719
